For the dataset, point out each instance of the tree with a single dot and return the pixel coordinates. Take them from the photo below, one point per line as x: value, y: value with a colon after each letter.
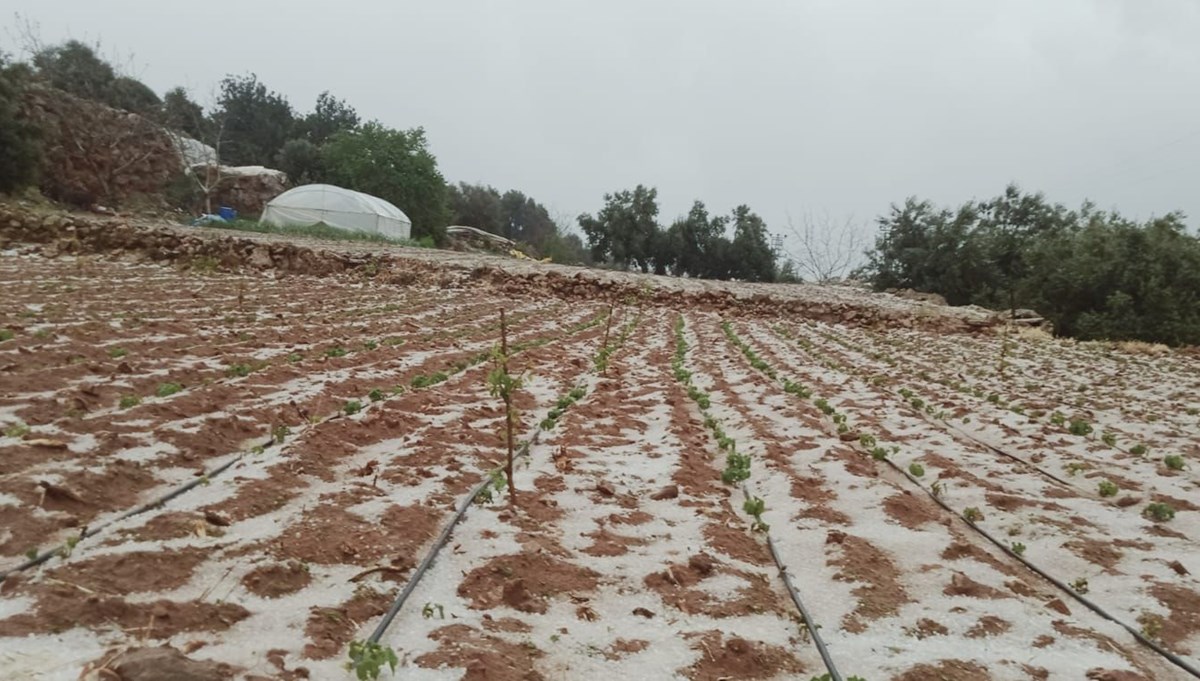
x: 257, y: 121
x: 478, y: 206
x: 75, y: 68
x: 827, y: 251
x: 395, y: 165
x: 301, y: 160
x: 1092, y: 274
x: 18, y: 137
x: 525, y: 220
x: 752, y: 255
x: 694, y: 239
x: 133, y: 95
x: 182, y: 114
x: 624, y: 229
x: 331, y: 116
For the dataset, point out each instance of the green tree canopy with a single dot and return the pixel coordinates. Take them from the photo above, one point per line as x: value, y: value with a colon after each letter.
x: 753, y: 259
x: 1093, y: 274
x: 18, y: 137
x: 182, y: 114
x: 75, y: 67
x: 624, y: 230
x: 330, y: 116
x: 257, y: 121
x: 395, y: 165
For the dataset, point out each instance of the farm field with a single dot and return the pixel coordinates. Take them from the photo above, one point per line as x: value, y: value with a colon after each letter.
x: 252, y: 468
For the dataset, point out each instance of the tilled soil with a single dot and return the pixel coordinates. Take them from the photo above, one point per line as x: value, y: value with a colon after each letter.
x: 248, y: 468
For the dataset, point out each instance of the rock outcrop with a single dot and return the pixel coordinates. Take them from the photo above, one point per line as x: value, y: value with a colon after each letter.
x: 93, y: 154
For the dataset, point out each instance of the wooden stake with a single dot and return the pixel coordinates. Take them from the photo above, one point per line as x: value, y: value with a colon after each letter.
x: 508, y: 413
x: 607, y: 327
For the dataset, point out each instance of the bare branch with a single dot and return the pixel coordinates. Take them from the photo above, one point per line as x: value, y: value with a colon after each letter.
x: 828, y: 250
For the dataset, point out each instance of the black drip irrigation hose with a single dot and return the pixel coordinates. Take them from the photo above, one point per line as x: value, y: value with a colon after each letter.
x: 137, y: 510
x: 444, y: 537
x: 148, y: 506
x: 1086, y: 602
x: 946, y: 425
x: 809, y: 623
x: 438, y: 544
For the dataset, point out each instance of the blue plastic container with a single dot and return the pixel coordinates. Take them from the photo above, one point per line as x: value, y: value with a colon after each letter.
x: 227, y: 213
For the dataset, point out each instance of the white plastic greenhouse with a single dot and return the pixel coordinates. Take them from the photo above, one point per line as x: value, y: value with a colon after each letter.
x: 337, y: 207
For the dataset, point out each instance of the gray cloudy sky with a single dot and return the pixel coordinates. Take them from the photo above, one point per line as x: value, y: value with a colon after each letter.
x: 788, y: 105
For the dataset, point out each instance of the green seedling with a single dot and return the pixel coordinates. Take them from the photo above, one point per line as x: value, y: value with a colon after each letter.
x: 1058, y: 419
x: 375, y: 395
x: 1080, y: 427
x: 1173, y: 462
x: 1108, y: 488
x: 1018, y: 548
x: 1151, y: 625
x: 1159, y: 512
x: 17, y: 430
x: 239, y: 370
x: 6, y: 335
x: 1080, y: 585
x: 737, y: 468
x: 1139, y: 450
x: 31, y: 553
x: 1074, y: 467
x: 1109, y: 439
x: 117, y: 353
x: 824, y: 406
x: 352, y: 407
x: 167, y: 389
x: 430, y: 608
x: 294, y: 357
x: 879, y: 453
x: 866, y: 440
x: 916, y: 470
x: 972, y: 515
x: 367, y: 659
x: 129, y: 401
x: 336, y: 351
x: 755, y: 507
x: 67, y: 548
x: 279, y: 433
x: 371, y: 345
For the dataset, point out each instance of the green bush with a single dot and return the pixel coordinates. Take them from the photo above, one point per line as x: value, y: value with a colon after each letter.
x: 1093, y: 274
x: 19, y: 138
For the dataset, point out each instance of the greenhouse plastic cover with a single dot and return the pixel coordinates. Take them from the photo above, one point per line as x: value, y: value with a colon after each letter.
x: 337, y: 207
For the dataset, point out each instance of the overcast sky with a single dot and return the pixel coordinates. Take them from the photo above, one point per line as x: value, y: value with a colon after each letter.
x: 830, y: 106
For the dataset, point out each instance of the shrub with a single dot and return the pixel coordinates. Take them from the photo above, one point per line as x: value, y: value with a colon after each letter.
x: 1108, y: 488
x: 1080, y: 427
x: 916, y: 469
x: 167, y: 389
x: 129, y: 401
x: 1173, y: 461
x: 1139, y: 450
x: 352, y: 407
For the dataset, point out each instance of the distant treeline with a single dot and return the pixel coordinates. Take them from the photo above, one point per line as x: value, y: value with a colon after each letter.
x: 1094, y: 274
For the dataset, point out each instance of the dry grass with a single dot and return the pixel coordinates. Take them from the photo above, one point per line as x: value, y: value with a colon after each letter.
x: 1141, y: 348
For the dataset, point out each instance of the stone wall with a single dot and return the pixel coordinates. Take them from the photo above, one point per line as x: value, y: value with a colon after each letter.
x: 55, y: 234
